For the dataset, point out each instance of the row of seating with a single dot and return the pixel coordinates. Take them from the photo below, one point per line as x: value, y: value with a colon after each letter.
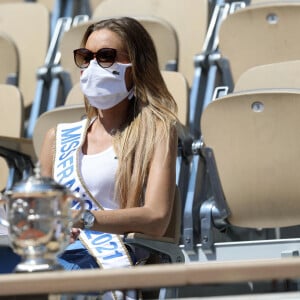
x: 242, y: 194
x: 244, y: 165
x: 246, y: 36
x: 170, y: 29
x: 212, y: 168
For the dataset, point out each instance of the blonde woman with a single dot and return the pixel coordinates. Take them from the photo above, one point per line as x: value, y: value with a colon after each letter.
x: 122, y: 157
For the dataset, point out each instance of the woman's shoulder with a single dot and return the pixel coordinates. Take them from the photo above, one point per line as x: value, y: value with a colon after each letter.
x: 76, y: 124
x: 50, y: 135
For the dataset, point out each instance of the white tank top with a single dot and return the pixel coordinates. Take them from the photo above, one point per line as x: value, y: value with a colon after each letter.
x: 98, y: 172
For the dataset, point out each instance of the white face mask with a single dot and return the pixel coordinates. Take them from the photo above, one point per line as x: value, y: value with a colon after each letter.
x: 105, y: 87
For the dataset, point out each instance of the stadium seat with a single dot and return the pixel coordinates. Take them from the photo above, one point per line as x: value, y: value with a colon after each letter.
x: 250, y: 147
x: 93, y: 4
x: 165, y: 244
x: 165, y: 248
x: 28, y: 26
x: 48, y: 3
x: 260, y: 34
x: 9, y: 60
x: 10, y: 1
x: 12, y: 120
x: 11, y: 103
x: 178, y: 86
x: 51, y: 118
x: 244, y: 37
x: 283, y: 74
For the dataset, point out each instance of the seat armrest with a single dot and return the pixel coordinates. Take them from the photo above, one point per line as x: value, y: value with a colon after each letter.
x: 137, y: 235
x: 164, y: 245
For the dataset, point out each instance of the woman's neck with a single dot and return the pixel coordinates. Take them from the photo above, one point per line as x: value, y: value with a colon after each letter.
x: 115, y: 118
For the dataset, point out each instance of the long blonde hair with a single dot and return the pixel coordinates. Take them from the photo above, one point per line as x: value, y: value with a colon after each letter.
x: 153, y: 110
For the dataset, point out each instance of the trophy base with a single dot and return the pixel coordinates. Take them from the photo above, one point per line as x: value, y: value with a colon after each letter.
x: 37, y: 265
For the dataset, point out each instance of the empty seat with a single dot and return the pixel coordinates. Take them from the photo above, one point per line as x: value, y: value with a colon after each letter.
x: 12, y: 120
x: 12, y: 111
x: 10, y: 1
x: 28, y: 26
x: 93, y: 4
x: 260, y: 34
x: 9, y: 60
x: 178, y: 86
x: 251, y: 150
x: 48, y: 3
x: 285, y: 74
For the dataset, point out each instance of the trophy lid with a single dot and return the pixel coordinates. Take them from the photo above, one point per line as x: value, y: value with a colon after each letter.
x: 37, y: 185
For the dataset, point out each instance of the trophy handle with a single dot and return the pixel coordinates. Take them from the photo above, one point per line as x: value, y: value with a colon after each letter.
x: 3, y: 200
x: 76, y: 217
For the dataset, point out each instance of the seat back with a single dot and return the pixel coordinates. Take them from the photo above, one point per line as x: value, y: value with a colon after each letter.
x: 93, y: 4
x: 49, y: 119
x: 9, y: 58
x: 10, y: 1
x: 188, y: 18
x: 164, y: 37
x: 75, y: 95
x: 48, y: 3
x: 12, y: 111
x: 12, y: 120
x: 284, y: 74
x: 70, y: 41
x: 255, y: 140
x: 260, y: 34
x: 28, y: 26
x: 264, y: 1
x: 179, y: 88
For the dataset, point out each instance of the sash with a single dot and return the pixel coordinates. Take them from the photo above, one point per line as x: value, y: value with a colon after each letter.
x: 108, y: 249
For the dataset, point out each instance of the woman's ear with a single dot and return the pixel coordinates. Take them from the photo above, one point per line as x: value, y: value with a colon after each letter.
x: 128, y: 78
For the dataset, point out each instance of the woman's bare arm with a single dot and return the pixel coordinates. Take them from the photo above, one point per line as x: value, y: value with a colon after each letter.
x: 152, y: 218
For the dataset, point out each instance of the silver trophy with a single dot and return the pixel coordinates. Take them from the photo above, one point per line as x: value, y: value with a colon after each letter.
x: 39, y: 220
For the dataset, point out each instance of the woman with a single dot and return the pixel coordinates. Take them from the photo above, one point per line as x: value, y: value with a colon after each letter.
x: 122, y: 158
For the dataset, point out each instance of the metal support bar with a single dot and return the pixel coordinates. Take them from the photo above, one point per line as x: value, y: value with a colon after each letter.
x: 215, y: 183
x: 206, y: 225
x: 44, y: 75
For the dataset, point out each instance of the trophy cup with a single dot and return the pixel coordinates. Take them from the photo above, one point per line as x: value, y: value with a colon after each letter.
x: 39, y: 219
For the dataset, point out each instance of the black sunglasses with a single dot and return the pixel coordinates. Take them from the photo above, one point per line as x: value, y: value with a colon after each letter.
x: 105, y: 57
